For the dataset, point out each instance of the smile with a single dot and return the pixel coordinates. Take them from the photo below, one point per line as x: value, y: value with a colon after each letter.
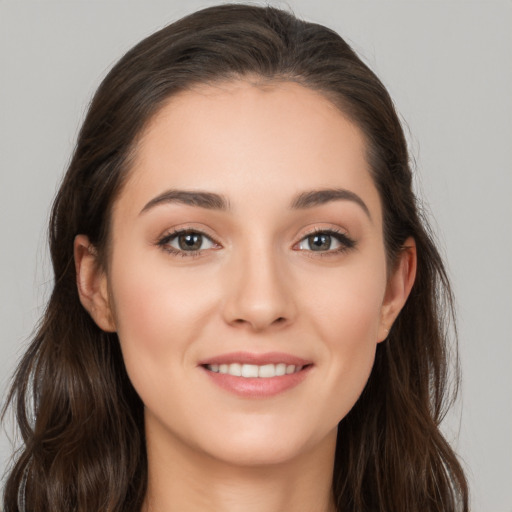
x: 250, y: 375
x: 265, y: 371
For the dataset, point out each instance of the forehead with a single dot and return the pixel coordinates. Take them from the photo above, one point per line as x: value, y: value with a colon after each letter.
x: 240, y: 137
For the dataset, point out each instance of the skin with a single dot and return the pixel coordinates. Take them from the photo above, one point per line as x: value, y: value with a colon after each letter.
x: 256, y: 287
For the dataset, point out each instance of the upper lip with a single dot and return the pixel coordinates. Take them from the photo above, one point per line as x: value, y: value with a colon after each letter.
x: 256, y: 359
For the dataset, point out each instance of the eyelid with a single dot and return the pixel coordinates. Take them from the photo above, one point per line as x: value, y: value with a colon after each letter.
x: 176, y: 236
x: 341, y: 236
x: 174, y: 233
x: 346, y: 242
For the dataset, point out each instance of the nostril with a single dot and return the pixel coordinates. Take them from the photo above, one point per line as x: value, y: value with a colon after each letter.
x: 241, y: 321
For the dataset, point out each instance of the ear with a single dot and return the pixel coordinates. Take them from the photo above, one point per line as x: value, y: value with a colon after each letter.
x: 398, y: 287
x: 91, y: 282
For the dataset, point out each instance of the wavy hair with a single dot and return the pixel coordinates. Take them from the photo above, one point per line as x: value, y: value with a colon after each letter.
x: 79, y: 416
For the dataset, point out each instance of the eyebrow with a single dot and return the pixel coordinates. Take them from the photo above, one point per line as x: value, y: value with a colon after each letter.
x: 208, y: 200
x: 213, y: 201
x: 323, y: 196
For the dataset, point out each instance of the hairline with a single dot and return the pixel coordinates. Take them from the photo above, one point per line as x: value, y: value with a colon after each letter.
x: 264, y: 82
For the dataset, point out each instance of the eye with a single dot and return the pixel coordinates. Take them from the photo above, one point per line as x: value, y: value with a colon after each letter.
x: 326, y: 241
x: 187, y: 241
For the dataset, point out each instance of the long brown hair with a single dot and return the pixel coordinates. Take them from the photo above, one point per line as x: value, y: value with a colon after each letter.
x: 79, y: 416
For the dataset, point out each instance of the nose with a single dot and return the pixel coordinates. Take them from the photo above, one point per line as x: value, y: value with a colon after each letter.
x: 258, y: 292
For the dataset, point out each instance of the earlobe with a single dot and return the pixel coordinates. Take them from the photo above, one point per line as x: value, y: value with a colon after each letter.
x: 92, y: 286
x: 398, y: 287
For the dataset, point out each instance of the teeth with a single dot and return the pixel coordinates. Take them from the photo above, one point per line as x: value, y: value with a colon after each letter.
x: 252, y: 370
x: 249, y: 370
x: 280, y: 369
x: 268, y: 370
x: 234, y: 369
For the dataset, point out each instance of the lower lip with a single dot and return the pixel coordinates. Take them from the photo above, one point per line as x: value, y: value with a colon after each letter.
x: 257, y: 387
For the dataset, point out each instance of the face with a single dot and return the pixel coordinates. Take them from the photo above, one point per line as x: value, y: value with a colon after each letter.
x: 247, y: 276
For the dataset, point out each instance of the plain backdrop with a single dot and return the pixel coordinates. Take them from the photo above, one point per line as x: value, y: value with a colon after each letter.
x: 448, y: 66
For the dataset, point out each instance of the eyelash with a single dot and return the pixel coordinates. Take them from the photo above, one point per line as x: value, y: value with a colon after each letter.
x: 165, y: 240
x: 346, y: 243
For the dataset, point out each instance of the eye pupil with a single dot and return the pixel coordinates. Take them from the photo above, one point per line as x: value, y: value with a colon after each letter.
x: 320, y: 242
x: 190, y: 241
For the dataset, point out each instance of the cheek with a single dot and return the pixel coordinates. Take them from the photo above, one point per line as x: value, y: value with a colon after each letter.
x: 347, y: 320
x: 346, y: 303
x: 158, y: 314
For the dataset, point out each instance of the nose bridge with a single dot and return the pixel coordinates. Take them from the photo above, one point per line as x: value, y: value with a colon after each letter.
x: 258, y: 292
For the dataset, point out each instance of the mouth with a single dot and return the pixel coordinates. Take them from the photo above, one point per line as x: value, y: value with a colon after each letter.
x: 256, y: 375
x: 248, y: 371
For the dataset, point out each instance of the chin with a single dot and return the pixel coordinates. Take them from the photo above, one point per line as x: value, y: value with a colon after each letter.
x: 264, y: 447
x: 259, y: 453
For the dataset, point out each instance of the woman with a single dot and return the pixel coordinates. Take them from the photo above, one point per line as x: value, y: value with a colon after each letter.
x: 248, y: 311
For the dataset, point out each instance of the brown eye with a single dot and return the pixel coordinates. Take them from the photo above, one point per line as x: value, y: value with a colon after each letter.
x: 190, y: 241
x: 184, y: 242
x: 319, y: 242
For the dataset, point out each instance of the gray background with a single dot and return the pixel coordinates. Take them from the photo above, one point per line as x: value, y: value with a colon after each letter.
x: 447, y: 64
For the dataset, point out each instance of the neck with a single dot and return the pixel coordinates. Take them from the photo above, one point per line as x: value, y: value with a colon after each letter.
x: 180, y: 478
